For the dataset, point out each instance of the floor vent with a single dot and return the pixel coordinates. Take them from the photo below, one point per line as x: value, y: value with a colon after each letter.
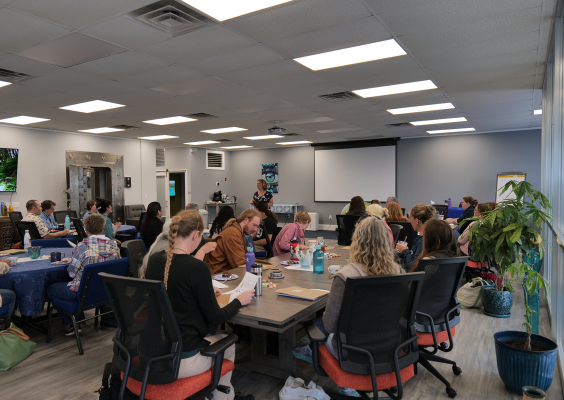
x: 170, y: 17
x: 13, y: 76
x: 398, y: 125
x: 341, y: 96
x: 202, y: 116
x: 124, y: 127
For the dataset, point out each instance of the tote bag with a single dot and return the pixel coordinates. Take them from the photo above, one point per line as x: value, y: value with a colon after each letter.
x: 470, y: 295
x: 15, y: 347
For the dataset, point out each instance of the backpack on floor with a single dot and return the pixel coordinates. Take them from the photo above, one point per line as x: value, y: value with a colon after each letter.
x: 111, y: 384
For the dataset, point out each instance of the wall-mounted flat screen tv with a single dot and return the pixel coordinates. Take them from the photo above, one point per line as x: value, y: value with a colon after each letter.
x: 8, y: 169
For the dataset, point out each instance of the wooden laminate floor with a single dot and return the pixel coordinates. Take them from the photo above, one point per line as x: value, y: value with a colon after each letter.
x: 57, y: 371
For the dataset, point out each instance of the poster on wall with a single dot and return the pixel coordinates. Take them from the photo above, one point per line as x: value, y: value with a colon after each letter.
x: 270, y: 175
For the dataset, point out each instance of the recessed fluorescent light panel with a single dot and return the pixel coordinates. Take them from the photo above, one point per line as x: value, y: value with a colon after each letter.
x: 263, y: 137
x: 202, y: 142
x: 396, y: 89
x: 227, y: 9
x: 538, y: 112
x: 2, y: 83
x: 102, y: 130
x: 453, y: 130
x: 169, y: 120
x: 224, y: 130
x: 439, y: 121
x: 237, y: 147
x: 352, y: 55
x: 92, y: 106
x: 159, y: 137
x: 290, y: 143
x: 417, y: 109
x: 23, y: 120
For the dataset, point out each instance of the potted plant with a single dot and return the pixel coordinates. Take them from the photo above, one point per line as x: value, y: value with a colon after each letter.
x: 507, y: 236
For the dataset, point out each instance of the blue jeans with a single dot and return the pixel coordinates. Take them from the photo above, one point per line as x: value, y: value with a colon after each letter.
x: 63, y: 292
x: 8, y: 302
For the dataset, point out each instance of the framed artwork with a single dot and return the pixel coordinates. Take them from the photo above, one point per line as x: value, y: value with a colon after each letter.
x: 270, y: 175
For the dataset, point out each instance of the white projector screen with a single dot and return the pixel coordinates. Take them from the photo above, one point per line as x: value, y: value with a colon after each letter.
x: 369, y: 172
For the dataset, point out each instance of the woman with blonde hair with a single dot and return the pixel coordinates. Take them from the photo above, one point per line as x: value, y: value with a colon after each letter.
x: 382, y: 213
x: 193, y: 298
x: 262, y: 194
x: 291, y: 231
x: 418, y: 216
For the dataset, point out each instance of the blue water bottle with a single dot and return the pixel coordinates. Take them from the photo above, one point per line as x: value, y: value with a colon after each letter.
x: 318, y: 260
x: 67, y: 223
x: 249, y: 259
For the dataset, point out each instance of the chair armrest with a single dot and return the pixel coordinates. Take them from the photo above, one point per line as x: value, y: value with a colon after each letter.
x: 314, y: 333
x: 432, y: 323
x: 219, y: 346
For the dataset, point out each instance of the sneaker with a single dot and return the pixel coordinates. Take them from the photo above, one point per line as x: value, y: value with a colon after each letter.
x: 348, y: 392
x: 239, y: 396
x: 303, y: 342
x: 303, y: 353
x: 69, y: 331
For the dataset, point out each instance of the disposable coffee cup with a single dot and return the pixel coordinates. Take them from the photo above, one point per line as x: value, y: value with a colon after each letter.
x: 334, y: 268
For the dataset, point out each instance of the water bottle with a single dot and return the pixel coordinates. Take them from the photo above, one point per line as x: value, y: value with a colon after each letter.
x: 249, y: 259
x: 27, y: 240
x: 67, y: 223
x: 449, y: 203
x: 318, y: 260
x: 257, y: 270
x: 294, y: 249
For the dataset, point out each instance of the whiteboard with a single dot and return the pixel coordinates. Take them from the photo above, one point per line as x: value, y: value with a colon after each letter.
x: 503, y: 179
x: 369, y: 172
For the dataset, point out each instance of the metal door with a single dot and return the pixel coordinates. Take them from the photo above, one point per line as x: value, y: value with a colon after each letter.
x: 80, y: 185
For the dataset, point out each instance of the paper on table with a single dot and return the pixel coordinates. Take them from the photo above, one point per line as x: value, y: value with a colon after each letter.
x: 299, y: 268
x: 346, y: 248
x: 249, y: 282
x: 218, y: 285
x: 71, y: 243
x: 26, y: 259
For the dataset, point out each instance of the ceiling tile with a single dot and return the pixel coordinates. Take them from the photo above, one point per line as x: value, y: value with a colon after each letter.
x: 278, y: 69
x: 27, y: 66
x: 64, y: 80
x: 121, y: 65
x: 275, y: 105
x: 192, y: 86
x: 162, y: 77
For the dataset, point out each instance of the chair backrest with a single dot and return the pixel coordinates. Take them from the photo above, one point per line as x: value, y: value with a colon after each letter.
x: 402, y: 211
x: 47, y: 243
x: 135, y: 250
x: 269, y: 252
x: 141, y: 218
x: 345, y: 228
x: 396, y: 230
x: 441, y: 209
x: 91, y: 289
x: 61, y: 215
x: 438, y: 295
x: 30, y: 226
x: 79, y: 226
x: 147, y: 328
x: 406, y: 231
x: 377, y: 315
x: 15, y: 216
x: 134, y: 210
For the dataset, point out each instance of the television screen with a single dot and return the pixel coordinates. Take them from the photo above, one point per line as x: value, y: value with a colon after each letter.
x: 172, y: 188
x: 8, y: 170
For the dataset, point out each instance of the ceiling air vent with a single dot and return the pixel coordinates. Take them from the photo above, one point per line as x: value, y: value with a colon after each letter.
x: 170, y: 17
x: 398, y: 125
x: 341, y: 96
x: 291, y: 134
x: 202, y: 116
x: 222, y: 140
x: 215, y: 160
x: 124, y: 127
x: 13, y: 76
x: 160, y: 157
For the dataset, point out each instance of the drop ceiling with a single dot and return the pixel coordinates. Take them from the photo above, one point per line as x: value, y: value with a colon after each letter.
x: 487, y: 57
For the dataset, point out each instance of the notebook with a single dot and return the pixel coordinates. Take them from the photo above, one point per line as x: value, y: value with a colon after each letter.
x: 303, y: 293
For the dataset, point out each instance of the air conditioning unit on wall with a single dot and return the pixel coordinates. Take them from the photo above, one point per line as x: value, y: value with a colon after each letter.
x: 215, y: 160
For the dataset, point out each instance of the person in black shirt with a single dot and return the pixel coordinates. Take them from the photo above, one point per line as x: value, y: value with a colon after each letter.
x: 193, y: 298
x: 270, y: 222
x: 152, y: 225
x: 469, y: 204
x: 224, y: 215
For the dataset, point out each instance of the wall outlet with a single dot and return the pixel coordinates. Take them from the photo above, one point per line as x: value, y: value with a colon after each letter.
x: 16, y: 204
x: 330, y: 218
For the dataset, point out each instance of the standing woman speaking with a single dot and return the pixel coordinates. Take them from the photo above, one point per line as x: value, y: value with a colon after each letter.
x: 262, y: 194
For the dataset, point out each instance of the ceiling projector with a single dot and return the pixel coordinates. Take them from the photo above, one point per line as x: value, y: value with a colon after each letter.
x: 276, y: 129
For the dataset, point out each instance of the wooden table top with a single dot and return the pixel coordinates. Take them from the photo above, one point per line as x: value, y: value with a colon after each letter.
x: 278, y: 313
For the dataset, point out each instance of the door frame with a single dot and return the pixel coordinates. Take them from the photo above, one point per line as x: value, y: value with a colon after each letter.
x: 187, y: 192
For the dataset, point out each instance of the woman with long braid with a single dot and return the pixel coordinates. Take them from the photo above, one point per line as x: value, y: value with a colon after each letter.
x: 189, y: 287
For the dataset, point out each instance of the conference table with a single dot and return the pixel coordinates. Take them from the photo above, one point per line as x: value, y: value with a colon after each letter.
x: 281, y: 316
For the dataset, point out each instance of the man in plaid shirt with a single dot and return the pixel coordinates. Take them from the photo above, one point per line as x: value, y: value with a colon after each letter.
x: 94, y: 249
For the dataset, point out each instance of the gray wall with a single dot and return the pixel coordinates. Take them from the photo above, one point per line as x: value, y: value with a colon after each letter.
x: 429, y: 168
x: 203, y: 180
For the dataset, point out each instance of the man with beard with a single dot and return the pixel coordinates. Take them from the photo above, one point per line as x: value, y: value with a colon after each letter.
x: 232, y: 243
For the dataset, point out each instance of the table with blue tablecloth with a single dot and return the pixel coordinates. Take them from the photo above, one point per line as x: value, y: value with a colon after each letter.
x: 123, y: 230
x: 455, y: 212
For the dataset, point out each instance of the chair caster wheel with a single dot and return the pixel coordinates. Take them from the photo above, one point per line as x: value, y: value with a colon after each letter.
x: 451, y: 392
x: 443, y: 346
x: 394, y: 389
x: 456, y: 370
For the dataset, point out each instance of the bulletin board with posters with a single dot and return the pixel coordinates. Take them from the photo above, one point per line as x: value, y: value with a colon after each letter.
x: 503, y: 179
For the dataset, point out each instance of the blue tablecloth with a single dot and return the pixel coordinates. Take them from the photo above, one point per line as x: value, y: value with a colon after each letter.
x: 126, y: 230
x: 455, y: 212
x: 30, y: 280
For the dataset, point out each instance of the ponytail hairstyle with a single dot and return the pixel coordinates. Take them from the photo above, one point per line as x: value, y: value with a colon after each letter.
x: 249, y: 213
x: 262, y: 206
x: 422, y: 212
x: 471, y: 200
x: 183, y: 224
x: 152, y: 210
x: 438, y: 238
x: 102, y: 204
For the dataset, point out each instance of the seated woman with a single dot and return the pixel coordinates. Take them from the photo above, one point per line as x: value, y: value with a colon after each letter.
x: 224, y: 215
x: 94, y: 249
x: 7, y: 302
x: 291, y: 231
x: 395, y: 214
x: 418, y: 216
x: 193, y: 298
x: 378, y: 211
x: 104, y: 209
x: 438, y: 242
x: 152, y: 225
x: 357, y: 207
x: 468, y: 204
x: 90, y: 208
x: 463, y: 240
x: 270, y: 221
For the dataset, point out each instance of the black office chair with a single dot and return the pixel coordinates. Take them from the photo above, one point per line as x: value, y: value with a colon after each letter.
x: 345, y: 228
x: 374, y: 344
x: 441, y: 209
x: 396, y: 230
x: 15, y: 216
x: 23, y: 226
x: 438, y: 312
x: 148, y: 343
x: 407, y: 232
x: 61, y: 215
x: 79, y: 226
x: 269, y: 252
x: 135, y: 251
x: 141, y: 218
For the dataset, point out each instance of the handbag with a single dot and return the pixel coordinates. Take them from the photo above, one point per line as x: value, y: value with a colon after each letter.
x: 295, y: 389
x: 470, y: 295
x: 15, y: 347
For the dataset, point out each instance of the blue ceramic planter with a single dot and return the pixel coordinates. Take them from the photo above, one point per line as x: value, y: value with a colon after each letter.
x: 518, y: 368
x: 496, y: 303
